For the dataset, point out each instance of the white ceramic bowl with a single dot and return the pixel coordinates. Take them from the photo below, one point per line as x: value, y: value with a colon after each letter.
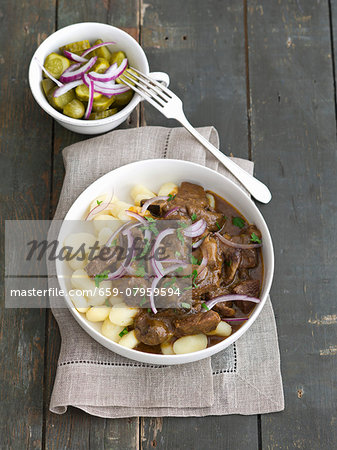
x: 91, y: 31
x: 153, y: 173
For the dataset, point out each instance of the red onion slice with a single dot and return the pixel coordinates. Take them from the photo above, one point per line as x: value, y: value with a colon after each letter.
x: 202, y: 265
x: 111, y: 73
x: 91, y: 100
x: 152, y: 200
x: 171, y: 211
x: 235, y: 319
x: 47, y: 73
x: 108, y: 92
x: 66, y: 87
x: 196, y: 229
x: 157, y: 265
x: 73, y: 75
x: 236, y: 245
x: 231, y: 298
x: 99, y: 208
x: 74, y: 57
x: 86, y: 52
x: 197, y: 243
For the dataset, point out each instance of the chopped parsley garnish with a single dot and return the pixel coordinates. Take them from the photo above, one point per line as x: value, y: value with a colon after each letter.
x: 170, y: 283
x: 107, y: 303
x: 194, y: 217
x: 238, y: 222
x: 255, y: 238
x: 145, y: 249
x: 152, y: 226
x: 99, y: 202
x: 170, y: 197
x: 187, y: 288
x: 179, y: 233
x: 185, y: 305
x: 228, y: 262
x: 149, y: 310
x: 225, y: 217
x: 216, y: 223
x: 179, y: 269
x: 203, y: 305
x: 123, y: 332
x: 143, y: 300
x: 195, y: 260
x: 113, y: 243
x: 177, y: 255
x: 100, y: 277
x: 194, y: 277
x: 140, y: 271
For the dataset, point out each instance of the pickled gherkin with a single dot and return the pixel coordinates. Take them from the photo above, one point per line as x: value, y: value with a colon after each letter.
x: 74, y: 109
x: 102, y: 52
x: 74, y: 102
x: 82, y: 93
x: 102, y: 103
x: 101, y: 65
x: 60, y: 102
x: 56, y: 64
x: 76, y: 47
x: 124, y: 98
x: 103, y: 114
x: 117, y: 57
x: 129, y: 72
x: 47, y: 85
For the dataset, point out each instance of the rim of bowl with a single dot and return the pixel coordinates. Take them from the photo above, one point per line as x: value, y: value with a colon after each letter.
x: 152, y: 358
x: 80, y: 122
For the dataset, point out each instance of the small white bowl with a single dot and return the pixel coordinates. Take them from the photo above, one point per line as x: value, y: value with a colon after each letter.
x: 91, y: 31
x: 153, y: 173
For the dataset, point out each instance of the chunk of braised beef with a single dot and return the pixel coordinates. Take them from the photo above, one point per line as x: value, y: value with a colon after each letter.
x: 202, y: 322
x: 105, y: 260
x: 213, y: 219
x: 150, y: 330
x: 223, y: 308
x: 250, y: 288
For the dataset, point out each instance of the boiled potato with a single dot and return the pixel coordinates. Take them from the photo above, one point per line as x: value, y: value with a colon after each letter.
x: 129, y: 340
x: 76, y: 240
x: 104, y: 235
x: 96, y: 296
x: 190, y: 344
x: 167, y: 348
x: 122, y: 315
x: 211, y: 200
x: 103, y: 198
x: 111, y: 331
x: 167, y: 189
x: 81, y: 280
x: 98, y: 313
x: 118, y: 208
x: 80, y: 303
x: 223, y: 329
x: 115, y: 300
x: 76, y: 264
x: 105, y: 221
x: 140, y: 192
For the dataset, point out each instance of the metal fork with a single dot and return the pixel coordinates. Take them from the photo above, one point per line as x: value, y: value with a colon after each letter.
x: 172, y: 107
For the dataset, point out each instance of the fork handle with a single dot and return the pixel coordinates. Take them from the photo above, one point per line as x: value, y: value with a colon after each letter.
x: 256, y: 188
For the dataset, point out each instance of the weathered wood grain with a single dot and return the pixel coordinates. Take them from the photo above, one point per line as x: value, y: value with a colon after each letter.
x: 25, y: 175
x: 202, y: 47
x: 294, y: 146
x: 76, y: 429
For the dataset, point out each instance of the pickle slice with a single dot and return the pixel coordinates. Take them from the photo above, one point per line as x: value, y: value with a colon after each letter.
x: 47, y: 85
x: 117, y: 57
x: 123, y: 99
x: 102, y: 52
x: 56, y: 64
x: 74, y: 109
x: 82, y: 93
x: 103, y: 114
x: 101, y: 65
x: 102, y: 103
x: 120, y: 79
x: 76, y: 47
x: 60, y: 102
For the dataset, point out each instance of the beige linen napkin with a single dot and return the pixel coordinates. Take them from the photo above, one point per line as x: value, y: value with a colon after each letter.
x: 243, y: 379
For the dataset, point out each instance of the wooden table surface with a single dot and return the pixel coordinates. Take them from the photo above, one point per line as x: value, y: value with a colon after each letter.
x: 263, y: 73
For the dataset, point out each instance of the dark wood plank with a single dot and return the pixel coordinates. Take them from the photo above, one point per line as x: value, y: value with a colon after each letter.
x: 76, y: 429
x: 294, y: 146
x: 25, y: 164
x: 202, y: 47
